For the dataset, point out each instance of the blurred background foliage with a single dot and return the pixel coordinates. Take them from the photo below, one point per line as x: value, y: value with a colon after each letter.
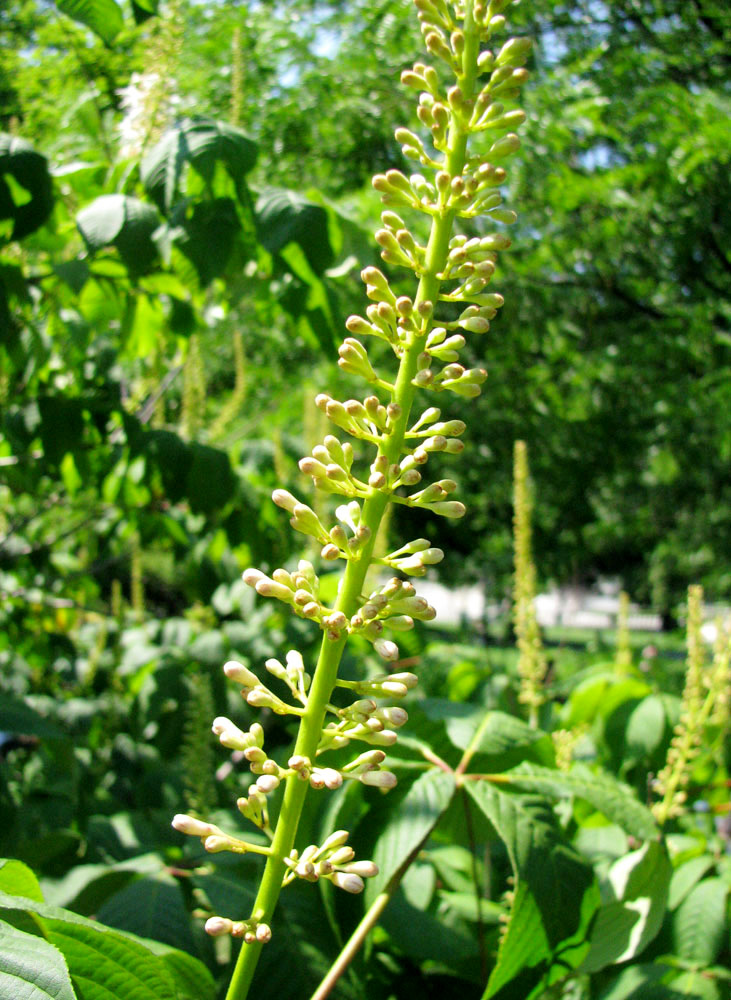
x: 185, y: 205
x: 211, y: 207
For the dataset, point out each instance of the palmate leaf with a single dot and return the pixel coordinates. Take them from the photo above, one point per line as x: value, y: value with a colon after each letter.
x: 31, y: 968
x: 609, y: 796
x: 104, y: 17
x: 556, y: 896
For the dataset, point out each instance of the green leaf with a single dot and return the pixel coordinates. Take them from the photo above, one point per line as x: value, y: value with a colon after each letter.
x: 17, y: 717
x: 414, y: 819
x: 192, y: 978
x: 556, y: 896
x: 640, y: 982
x: 31, y: 968
x: 646, y: 727
x: 284, y: 216
x: 17, y: 879
x: 103, y: 16
x: 626, y: 924
x: 210, y: 481
x: 685, y: 877
x: 699, y: 922
x: 609, y: 796
x: 62, y: 425
x: 123, y: 222
x: 151, y: 908
x: 494, y: 740
x: 104, y: 964
x: 199, y: 143
x: 207, y: 237
x: 26, y: 187
x: 599, y: 696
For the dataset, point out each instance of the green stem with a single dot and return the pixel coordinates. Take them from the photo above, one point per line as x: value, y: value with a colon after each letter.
x: 374, y: 507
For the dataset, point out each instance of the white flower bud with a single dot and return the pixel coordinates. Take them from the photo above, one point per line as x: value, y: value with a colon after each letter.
x: 195, y: 827
x: 350, y: 883
x: 267, y: 783
x: 218, y: 926
x: 394, y: 689
x: 366, y: 869
x: 240, y: 674
x: 387, y: 649
x: 379, y: 779
x: 341, y: 856
x: 263, y: 933
x: 215, y: 843
x: 394, y: 716
x: 230, y: 735
x: 285, y: 500
x: 336, y: 839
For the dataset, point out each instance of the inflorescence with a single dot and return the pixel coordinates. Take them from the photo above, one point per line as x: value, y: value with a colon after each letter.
x: 426, y: 334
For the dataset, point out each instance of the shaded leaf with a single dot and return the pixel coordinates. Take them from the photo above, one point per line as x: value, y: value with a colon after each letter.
x: 284, y: 216
x: 556, y: 895
x: 416, y: 816
x: 123, y: 222
x: 199, y: 143
x: 151, y: 908
x: 625, y: 925
x: 26, y: 187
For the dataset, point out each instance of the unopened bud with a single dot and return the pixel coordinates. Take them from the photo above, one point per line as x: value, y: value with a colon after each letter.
x: 218, y: 926
x: 190, y: 825
x: 350, y: 883
x: 267, y: 783
x: 387, y: 649
x: 366, y: 869
x: 379, y: 779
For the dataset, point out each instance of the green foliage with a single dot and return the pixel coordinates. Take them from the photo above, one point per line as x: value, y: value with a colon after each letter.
x: 512, y: 872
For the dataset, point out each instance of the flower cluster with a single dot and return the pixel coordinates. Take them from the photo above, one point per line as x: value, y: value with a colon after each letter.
x: 379, y: 451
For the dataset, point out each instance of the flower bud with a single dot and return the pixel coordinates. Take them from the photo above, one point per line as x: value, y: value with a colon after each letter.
x: 387, y: 649
x: 267, y: 783
x: 505, y: 146
x: 341, y: 856
x: 351, y: 883
x: 336, y: 839
x: 366, y: 869
x: 394, y: 716
x: 240, y: 674
x: 230, y: 735
x: 195, y: 827
x: 514, y: 52
x: 379, y: 779
x: 217, y: 843
x: 263, y: 933
x: 218, y: 926
x: 284, y: 499
x: 449, y: 508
